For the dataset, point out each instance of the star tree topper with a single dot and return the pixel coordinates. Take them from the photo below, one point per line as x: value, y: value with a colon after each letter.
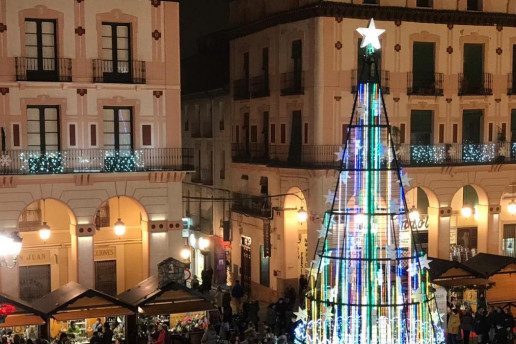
x: 370, y: 34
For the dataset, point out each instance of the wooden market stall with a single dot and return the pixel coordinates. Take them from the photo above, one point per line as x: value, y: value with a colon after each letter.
x: 74, y: 302
x: 23, y: 315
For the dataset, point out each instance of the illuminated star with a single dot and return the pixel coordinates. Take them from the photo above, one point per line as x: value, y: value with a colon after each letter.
x: 328, y: 314
x: 329, y: 197
x: 370, y: 34
x: 339, y: 154
x: 344, y: 176
x: 301, y: 314
x: 424, y: 262
x: 393, y: 206
x: 405, y: 179
x: 412, y: 270
x: 391, y: 252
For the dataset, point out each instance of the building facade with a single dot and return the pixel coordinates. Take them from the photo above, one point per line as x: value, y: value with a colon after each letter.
x: 447, y: 71
x: 91, y: 137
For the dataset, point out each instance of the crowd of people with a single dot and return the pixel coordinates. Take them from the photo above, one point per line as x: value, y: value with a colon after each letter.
x: 495, y: 326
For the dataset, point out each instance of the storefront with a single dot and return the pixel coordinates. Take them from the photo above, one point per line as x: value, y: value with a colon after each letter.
x: 19, y: 317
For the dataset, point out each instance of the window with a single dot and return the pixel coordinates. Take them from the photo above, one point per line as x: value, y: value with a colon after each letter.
x: 273, y: 133
x: 424, y: 3
x: 472, y: 126
x: 105, y: 277
x: 116, y: 51
x: 34, y: 281
x: 40, y: 48
x: 264, y: 268
x: 421, y: 127
x: 283, y: 133
x: 513, y: 125
x: 473, y: 80
x: 118, y: 128
x: 509, y: 237
x: 423, y: 68
x: 146, y: 135
x: 222, y: 170
x: 265, y: 66
x: 254, y: 133
x: 474, y: 5
x: 43, y: 128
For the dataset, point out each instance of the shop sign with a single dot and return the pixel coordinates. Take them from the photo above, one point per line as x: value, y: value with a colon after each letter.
x: 34, y: 258
x: 417, y: 225
x: 104, y: 253
x: 267, y: 238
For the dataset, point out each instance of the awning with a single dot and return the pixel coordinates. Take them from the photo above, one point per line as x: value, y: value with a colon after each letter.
x: 462, y: 282
x: 92, y: 313
x: 178, y: 307
x: 22, y: 320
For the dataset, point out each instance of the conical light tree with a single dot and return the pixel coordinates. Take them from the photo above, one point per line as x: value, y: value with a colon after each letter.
x: 369, y: 279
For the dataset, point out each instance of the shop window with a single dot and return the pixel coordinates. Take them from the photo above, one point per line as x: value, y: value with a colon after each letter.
x: 264, y: 268
x: 509, y: 237
x: 34, y: 281
x: 105, y: 277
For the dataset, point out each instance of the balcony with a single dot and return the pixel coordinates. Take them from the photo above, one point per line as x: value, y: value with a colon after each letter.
x: 35, y: 69
x: 241, y: 89
x: 17, y: 162
x: 30, y: 219
x: 469, y: 86
x: 251, y: 205
x: 292, y: 83
x: 255, y: 153
x: 430, y: 85
x: 120, y: 72
x: 385, y: 80
x: 310, y: 156
x: 260, y: 86
x: 446, y: 154
x: 207, y: 176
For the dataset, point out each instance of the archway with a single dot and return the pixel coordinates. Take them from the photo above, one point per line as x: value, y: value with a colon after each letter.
x: 46, y: 261
x: 295, y: 239
x: 120, y: 245
x: 423, y: 208
x: 507, y: 233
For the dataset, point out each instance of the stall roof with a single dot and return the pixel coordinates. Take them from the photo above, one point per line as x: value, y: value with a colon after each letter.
x: 74, y: 301
x: 489, y: 264
x: 24, y: 313
x: 171, y: 298
x: 441, y: 269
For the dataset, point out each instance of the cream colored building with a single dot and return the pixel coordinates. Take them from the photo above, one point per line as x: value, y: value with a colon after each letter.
x: 447, y: 71
x: 90, y: 122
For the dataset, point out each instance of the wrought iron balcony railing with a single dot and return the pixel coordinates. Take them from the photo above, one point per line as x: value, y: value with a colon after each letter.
x: 292, y: 83
x: 260, y: 86
x: 241, y: 89
x: 252, y: 205
x: 425, y: 85
x: 385, y: 80
x: 470, y: 86
x: 122, y: 72
x: 95, y: 161
x: 43, y: 69
x: 456, y: 154
x: 256, y: 153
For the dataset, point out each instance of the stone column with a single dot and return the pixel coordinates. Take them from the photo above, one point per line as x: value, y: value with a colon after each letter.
x: 84, y: 253
x: 443, y: 242
x: 433, y: 232
x: 493, y: 229
x: 482, y: 227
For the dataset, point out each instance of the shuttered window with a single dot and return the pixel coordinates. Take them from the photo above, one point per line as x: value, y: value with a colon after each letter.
x: 105, y: 277
x: 34, y: 281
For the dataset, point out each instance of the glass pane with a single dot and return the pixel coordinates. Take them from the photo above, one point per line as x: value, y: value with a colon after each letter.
x: 30, y: 27
x: 49, y: 52
x: 109, y: 139
x: 48, y: 40
x: 123, y: 55
x: 49, y: 64
x: 124, y: 115
x: 54, y: 148
x: 31, y: 39
x: 124, y: 127
x: 122, y: 31
x: 33, y: 140
x: 47, y: 27
x: 51, y: 127
x: 32, y: 126
x: 109, y: 114
x: 33, y: 114
x: 109, y: 127
x: 31, y: 52
x: 125, y: 139
x: 106, y: 30
x: 122, y: 43
x: 107, y: 55
x: 51, y: 139
x: 107, y: 42
x: 51, y: 114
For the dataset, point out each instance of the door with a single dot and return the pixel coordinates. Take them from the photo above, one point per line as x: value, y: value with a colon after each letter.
x: 116, y: 52
x: 295, y: 149
x: 41, y: 49
x: 473, y: 69
x: 34, y: 281
x: 246, y: 268
x: 105, y: 277
x: 472, y: 126
x: 513, y: 83
x: 421, y: 136
x: 297, y: 57
x: 423, y: 68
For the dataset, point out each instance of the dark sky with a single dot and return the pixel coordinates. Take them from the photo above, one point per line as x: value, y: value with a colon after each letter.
x: 198, y: 18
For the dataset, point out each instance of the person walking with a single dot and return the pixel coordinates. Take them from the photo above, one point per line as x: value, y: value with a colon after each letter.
x: 467, y: 324
x: 237, y: 293
x: 107, y: 335
x: 453, y: 327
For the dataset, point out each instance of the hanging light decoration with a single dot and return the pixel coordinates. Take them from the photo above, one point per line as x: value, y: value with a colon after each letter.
x: 119, y: 224
x: 44, y: 230
x: 301, y: 215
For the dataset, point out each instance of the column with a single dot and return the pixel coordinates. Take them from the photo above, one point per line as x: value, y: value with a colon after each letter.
x: 443, y: 243
x: 493, y: 229
x: 482, y: 228
x: 84, y: 253
x: 433, y: 232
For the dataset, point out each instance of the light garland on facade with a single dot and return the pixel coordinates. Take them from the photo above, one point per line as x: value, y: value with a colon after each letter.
x: 369, y: 282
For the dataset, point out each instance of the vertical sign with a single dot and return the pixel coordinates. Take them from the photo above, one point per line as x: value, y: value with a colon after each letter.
x: 266, y: 238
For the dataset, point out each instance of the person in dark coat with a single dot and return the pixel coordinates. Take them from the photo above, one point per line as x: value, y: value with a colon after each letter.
x: 107, y: 335
x: 481, y: 326
x: 467, y: 325
x: 237, y: 292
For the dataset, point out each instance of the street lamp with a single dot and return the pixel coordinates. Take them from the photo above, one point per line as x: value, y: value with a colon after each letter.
x: 414, y: 214
x: 185, y: 253
x: 301, y: 215
x: 119, y: 224
x: 466, y: 212
x: 44, y: 231
x: 512, y: 207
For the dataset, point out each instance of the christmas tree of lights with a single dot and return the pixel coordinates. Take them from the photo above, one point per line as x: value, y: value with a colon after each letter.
x: 369, y: 279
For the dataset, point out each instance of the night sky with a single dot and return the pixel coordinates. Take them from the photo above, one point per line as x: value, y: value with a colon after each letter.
x: 198, y: 18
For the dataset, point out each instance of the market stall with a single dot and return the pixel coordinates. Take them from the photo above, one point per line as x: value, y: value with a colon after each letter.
x: 74, y: 309
x: 19, y: 317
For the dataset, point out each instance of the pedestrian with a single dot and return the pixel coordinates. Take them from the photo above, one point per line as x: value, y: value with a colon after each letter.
x: 97, y: 327
x: 481, y: 326
x: 161, y: 335
x: 509, y: 324
x: 453, y: 327
x: 107, y: 336
x: 96, y: 338
x: 209, y: 278
x: 467, y: 325
x: 237, y: 292
x: 219, y: 296
x: 195, y: 283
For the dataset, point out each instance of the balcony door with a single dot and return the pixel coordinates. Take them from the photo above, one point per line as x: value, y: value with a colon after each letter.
x: 473, y: 69
x: 116, y: 52
x: 423, y: 67
x: 296, y: 137
x: 40, y: 49
x: 43, y: 128
x: 472, y: 123
x: 421, y: 127
x: 297, y: 59
x: 118, y: 128
x: 512, y: 86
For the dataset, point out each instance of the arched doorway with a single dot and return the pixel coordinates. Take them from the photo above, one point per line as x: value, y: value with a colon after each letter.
x: 423, y: 214
x: 46, y: 261
x: 295, y: 239
x: 120, y: 245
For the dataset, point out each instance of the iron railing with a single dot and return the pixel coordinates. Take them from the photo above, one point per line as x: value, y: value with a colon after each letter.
x: 308, y: 156
x: 385, y: 80
x: 252, y: 205
x: 30, y: 219
x: 250, y: 153
x: 443, y: 154
x: 241, y: 89
x: 425, y: 85
x: 44, y: 69
x: 475, y: 86
x: 123, y: 72
x: 95, y: 160
x: 292, y: 83
x: 260, y: 86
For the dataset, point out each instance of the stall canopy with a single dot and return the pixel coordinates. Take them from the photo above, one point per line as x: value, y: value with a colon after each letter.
x: 448, y: 273
x: 170, y: 298
x: 24, y: 314
x: 491, y: 264
x: 74, y: 301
